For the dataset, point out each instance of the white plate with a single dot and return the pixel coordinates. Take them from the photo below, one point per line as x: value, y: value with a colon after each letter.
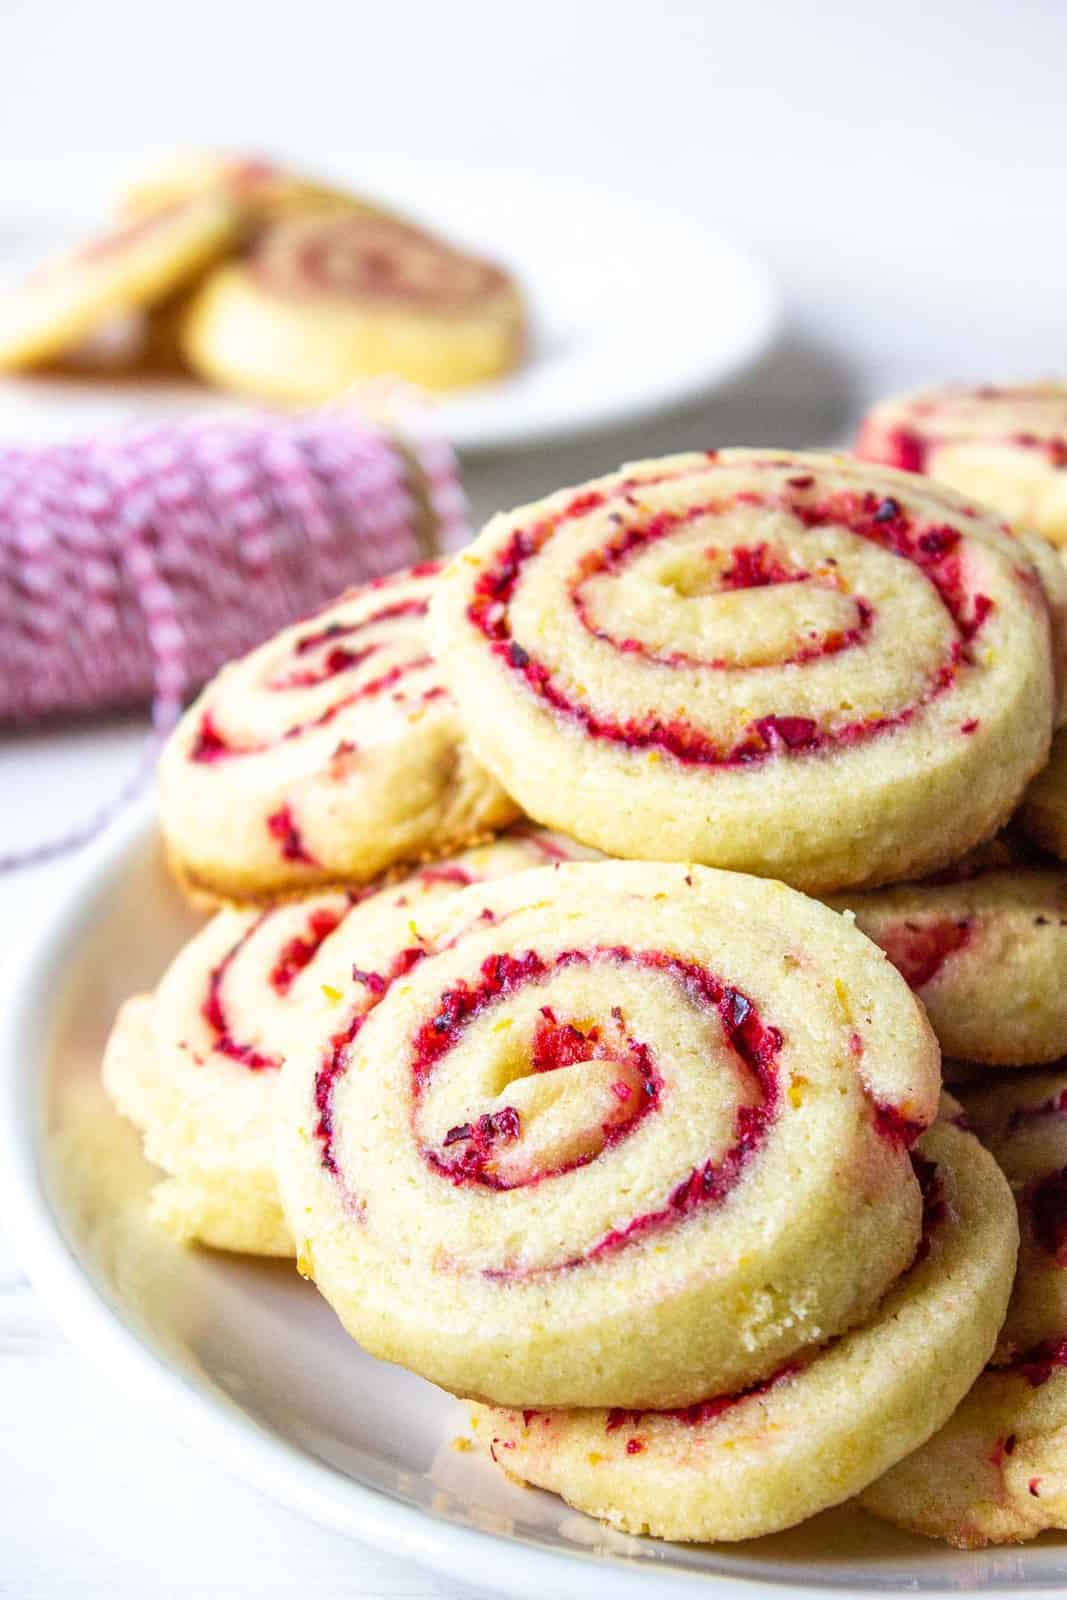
x: 632, y: 312
x: 245, y: 1361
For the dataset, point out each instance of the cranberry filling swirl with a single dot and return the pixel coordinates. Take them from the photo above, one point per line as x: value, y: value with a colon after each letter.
x: 289, y: 766
x: 371, y: 258
x: 575, y: 1130
x: 759, y: 646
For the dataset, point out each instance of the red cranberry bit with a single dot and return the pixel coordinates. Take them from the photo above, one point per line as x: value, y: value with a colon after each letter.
x: 970, y: 725
x: 480, y: 1140
x: 894, y: 1126
x: 210, y: 745
x: 1048, y: 1214
x: 790, y: 733
x: 919, y: 950
x: 1038, y: 1365
x: 561, y: 1044
x: 282, y: 826
x: 634, y: 1447
x: 905, y: 449
x: 753, y: 567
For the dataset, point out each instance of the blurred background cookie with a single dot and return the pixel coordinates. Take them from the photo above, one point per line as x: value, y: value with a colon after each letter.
x: 324, y: 300
x: 1003, y: 445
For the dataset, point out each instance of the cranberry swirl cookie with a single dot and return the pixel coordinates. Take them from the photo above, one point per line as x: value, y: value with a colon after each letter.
x: 821, y: 1426
x: 1004, y: 446
x: 195, y: 1065
x: 984, y: 949
x: 611, y: 1133
x: 794, y: 665
x: 997, y: 1472
x: 333, y: 751
x: 136, y: 265
x: 325, y: 300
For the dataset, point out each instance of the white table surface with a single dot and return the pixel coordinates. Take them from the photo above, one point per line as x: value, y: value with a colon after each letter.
x: 902, y: 172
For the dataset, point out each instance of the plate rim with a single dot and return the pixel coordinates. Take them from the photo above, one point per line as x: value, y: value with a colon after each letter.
x: 210, y: 1422
x: 472, y: 437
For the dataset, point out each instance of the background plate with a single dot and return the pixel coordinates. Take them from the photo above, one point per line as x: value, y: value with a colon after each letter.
x: 632, y: 313
x: 248, y: 1364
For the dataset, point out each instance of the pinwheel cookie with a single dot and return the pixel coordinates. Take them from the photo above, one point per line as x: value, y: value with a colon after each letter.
x: 262, y: 189
x: 195, y: 1065
x: 611, y: 1134
x: 997, y: 1472
x: 323, y: 301
x: 824, y: 1424
x: 333, y: 751
x: 1004, y: 446
x: 984, y: 950
x: 134, y: 266
x: 796, y: 665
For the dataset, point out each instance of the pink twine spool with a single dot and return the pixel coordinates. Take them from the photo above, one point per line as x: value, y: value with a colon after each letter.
x: 133, y: 566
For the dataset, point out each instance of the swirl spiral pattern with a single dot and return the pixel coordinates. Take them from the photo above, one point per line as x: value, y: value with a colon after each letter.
x: 327, y: 299
x: 789, y: 664
x: 996, y: 1473
x: 1006, y: 447
x: 195, y: 1065
x: 611, y: 1133
x: 332, y: 751
x: 822, y: 1426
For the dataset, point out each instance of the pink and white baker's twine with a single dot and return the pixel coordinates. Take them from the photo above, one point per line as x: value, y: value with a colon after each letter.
x: 132, y: 566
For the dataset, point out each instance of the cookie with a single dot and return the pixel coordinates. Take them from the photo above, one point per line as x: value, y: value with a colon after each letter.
x: 794, y: 665
x: 1052, y: 571
x: 133, y: 266
x: 263, y: 190
x: 610, y: 1134
x: 984, y: 951
x: 322, y: 302
x: 195, y: 1065
x: 1043, y: 813
x: 334, y: 751
x: 997, y: 1472
x: 1006, y: 446
x: 824, y: 1424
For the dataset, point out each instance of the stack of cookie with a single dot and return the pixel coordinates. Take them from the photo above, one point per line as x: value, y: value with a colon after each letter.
x: 599, y: 912
x: 256, y: 279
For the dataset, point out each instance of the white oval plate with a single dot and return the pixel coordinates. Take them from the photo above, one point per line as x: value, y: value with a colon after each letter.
x: 245, y: 1361
x: 632, y: 312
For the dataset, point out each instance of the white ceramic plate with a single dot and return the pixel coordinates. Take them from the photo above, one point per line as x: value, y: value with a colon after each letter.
x: 631, y: 312
x: 247, y: 1363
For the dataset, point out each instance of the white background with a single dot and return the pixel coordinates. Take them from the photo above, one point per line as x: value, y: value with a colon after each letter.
x: 900, y: 166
